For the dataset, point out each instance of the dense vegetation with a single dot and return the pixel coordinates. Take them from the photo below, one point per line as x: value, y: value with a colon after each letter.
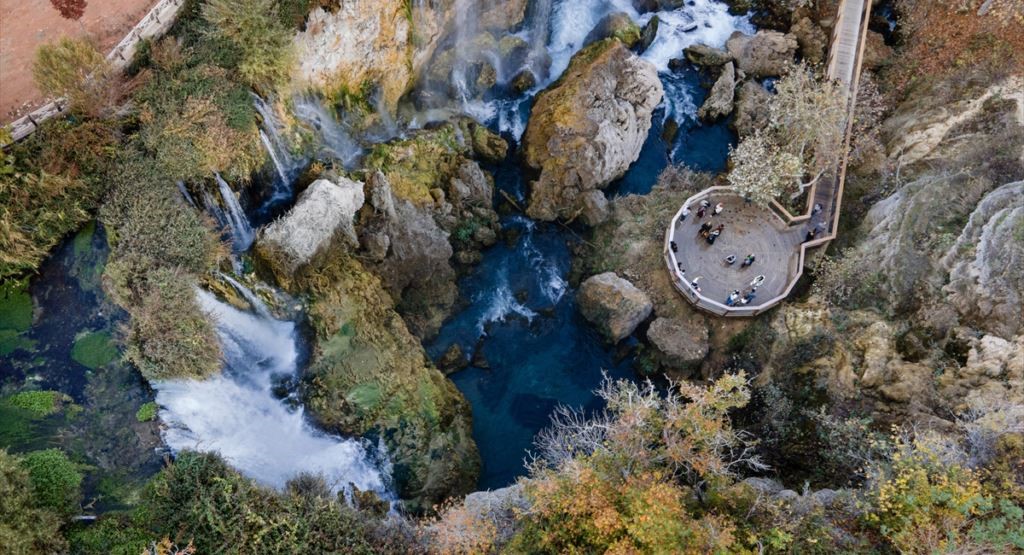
x: 677, y: 469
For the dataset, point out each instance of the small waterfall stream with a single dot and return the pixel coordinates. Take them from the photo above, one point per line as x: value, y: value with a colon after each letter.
x: 242, y: 234
x: 334, y: 141
x: 237, y: 415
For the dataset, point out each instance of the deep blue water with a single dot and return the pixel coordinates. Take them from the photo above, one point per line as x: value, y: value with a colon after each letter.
x: 540, y: 352
x: 521, y: 312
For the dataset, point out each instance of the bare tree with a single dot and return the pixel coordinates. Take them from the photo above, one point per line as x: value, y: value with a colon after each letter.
x: 801, y: 143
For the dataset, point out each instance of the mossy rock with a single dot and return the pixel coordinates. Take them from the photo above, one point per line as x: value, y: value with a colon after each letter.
x: 370, y: 376
x: 416, y: 165
x: 94, y: 349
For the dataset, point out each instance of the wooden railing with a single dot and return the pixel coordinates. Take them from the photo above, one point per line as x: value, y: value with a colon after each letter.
x: 154, y: 24
x: 838, y: 181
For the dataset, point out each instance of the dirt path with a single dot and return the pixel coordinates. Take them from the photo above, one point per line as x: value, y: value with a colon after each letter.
x: 27, y: 24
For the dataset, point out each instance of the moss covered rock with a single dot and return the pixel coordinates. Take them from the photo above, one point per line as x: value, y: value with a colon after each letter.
x: 588, y: 128
x: 369, y: 375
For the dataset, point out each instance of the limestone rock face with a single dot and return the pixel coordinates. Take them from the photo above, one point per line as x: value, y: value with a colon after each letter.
x: 588, y: 128
x: 362, y: 41
x: 751, y: 108
x: 415, y: 264
x: 719, y: 101
x: 322, y: 216
x: 765, y: 54
x: 613, y: 304
x: 707, y: 56
x: 986, y: 264
x: 681, y: 344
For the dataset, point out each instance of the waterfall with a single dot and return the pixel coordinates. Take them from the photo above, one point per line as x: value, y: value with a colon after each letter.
x: 335, y: 141
x: 242, y: 234
x: 185, y: 193
x: 286, y: 166
x: 236, y: 414
x: 273, y: 155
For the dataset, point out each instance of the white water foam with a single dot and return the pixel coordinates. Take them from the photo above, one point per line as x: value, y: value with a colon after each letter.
x: 502, y: 305
x: 236, y: 415
x: 552, y: 284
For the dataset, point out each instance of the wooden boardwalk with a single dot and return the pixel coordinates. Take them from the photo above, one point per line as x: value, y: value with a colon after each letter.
x: 778, y: 239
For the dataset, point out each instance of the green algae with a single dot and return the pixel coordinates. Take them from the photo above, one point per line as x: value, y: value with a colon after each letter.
x: 94, y: 349
x: 38, y: 404
x: 15, y: 306
x: 147, y: 412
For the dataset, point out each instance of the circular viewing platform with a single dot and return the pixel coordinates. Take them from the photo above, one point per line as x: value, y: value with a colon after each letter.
x: 778, y: 248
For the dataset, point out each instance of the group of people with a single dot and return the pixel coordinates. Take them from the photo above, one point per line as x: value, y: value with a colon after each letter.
x: 736, y: 298
x: 707, y: 230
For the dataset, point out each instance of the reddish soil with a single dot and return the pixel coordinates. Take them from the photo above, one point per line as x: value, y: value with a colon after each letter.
x: 27, y: 24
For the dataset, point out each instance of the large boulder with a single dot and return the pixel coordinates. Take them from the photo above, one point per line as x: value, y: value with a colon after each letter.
x: 613, y: 304
x: 719, y: 101
x: 588, y: 128
x: 765, y: 54
x: 707, y: 56
x: 679, y: 343
x: 410, y: 253
x: 751, y: 108
x: 321, y: 218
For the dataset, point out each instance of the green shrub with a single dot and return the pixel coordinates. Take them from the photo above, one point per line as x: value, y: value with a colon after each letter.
x: 56, y: 482
x: 200, y: 498
x: 74, y: 69
x: 253, y: 27
x: 114, y: 534
x: 49, y: 185
x: 195, y: 119
x: 94, y: 349
x: 25, y: 526
x: 169, y: 336
x: 147, y: 412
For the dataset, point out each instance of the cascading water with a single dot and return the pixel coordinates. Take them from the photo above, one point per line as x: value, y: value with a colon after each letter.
x: 286, y: 165
x: 185, y: 194
x: 237, y: 415
x: 334, y: 141
x: 242, y: 234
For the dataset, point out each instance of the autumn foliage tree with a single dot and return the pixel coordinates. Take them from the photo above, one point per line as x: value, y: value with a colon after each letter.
x: 70, y: 9
x: 624, y: 481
